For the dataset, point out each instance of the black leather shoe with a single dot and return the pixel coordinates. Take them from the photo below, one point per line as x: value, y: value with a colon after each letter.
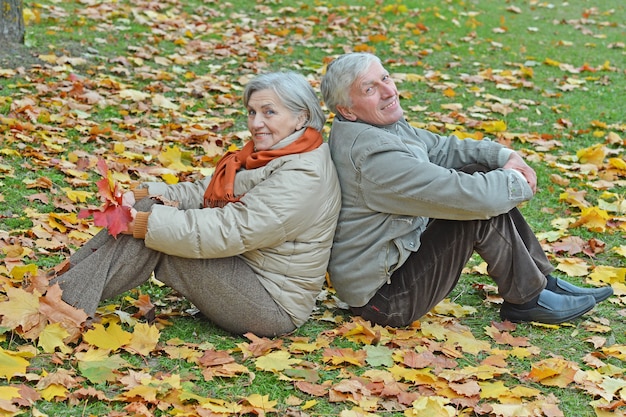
x: 599, y: 294
x: 551, y: 308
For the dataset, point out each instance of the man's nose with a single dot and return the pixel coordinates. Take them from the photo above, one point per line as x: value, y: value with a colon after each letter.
x: 388, y: 90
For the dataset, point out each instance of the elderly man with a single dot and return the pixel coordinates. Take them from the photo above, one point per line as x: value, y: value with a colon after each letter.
x: 415, y: 206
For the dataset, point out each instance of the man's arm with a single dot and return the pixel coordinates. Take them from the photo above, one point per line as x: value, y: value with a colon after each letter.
x: 516, y: 163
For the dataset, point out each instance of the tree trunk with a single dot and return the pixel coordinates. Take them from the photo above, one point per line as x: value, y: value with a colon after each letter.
x: 11, y: 22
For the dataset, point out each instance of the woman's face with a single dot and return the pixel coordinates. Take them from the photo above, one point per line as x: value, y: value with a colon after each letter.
x: 269, y: 121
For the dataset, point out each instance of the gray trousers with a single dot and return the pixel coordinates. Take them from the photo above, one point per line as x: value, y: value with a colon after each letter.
x: 225, y: 290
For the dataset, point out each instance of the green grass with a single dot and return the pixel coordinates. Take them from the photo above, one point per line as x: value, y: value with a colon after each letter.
x: 444, y: 44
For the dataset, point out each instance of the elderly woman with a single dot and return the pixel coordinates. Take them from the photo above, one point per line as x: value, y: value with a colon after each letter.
x: 415, y: 208
x: 248, y: 246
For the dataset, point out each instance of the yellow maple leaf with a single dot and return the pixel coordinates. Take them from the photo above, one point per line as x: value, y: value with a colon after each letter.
x: 363, y: 332
x: 468, y: 135
x: 276, y: 361
x: 621, y: 250
x: 52, y: 337
x: 417, y: 376
x: 232, y: 147
x: 17, y: 251
x: 10, y: 393
x: 77, y: 195
x: 433, y: 329
x: 483, y: 372
x: 611, y: 386
x: 552, y: 62
x: 466, y: 341
x: 20, y: 271
x: 447, y: 307
x: 593, y: 218
x: 616, y: 351
x: 573, y: 267
x: 556, y: 371
x: 11, y: 364
x: 161, y: 101
x: 575, y: 198
x: 144, y: 339
x: 431, y: 406
x: 172, y: 157
x: 449, y: 92
x: 308, y: 404
x: 169, y: 178
x: 134, y: 95
x: 618, y: 163
x: 220, y: 406
x: 521, y: 391
x: 147, y: 392
x: 187, y: 353
x: 54, y: 391
x: 493, y: 126
x: 110, y: 338
x: 592, y: 155
x: 262, y: 401
x: 608, y: 274
x: 305, y: 346
x: 495, y: 389
x: 21, y: 309
x: 60, y: 220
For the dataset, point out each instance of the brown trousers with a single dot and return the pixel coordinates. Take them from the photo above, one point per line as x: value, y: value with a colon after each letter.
x: 516, y: 262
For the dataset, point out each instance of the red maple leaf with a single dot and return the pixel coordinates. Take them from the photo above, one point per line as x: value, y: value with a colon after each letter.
x: 112, y: 214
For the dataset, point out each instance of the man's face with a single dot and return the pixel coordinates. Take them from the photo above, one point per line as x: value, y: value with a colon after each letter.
x: 374, y: 98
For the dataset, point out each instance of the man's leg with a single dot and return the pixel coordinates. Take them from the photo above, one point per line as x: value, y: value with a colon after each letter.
x: 516, y: 263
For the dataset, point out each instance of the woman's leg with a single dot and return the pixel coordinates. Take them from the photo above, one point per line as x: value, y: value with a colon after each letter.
x: 227, y: 292
x: 105, y: 270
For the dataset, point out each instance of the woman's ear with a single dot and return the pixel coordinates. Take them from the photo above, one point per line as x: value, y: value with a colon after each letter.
x: 303, y: 118
x: 346, y: 113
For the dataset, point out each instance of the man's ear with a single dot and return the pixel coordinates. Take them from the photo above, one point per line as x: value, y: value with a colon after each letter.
x: 346, y: 113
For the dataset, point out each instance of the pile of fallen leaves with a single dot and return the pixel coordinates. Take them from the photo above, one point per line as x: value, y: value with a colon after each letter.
x: 168, y: 107
x: 435, y: 367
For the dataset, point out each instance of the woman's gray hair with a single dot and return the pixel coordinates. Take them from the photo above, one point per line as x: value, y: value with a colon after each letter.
x: 295, y: 92
x: 341, y: 74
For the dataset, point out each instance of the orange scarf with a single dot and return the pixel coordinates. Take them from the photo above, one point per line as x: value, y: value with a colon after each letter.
x: 221, y: 189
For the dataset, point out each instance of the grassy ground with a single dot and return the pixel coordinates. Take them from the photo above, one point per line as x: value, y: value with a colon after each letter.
x: 552, y: 73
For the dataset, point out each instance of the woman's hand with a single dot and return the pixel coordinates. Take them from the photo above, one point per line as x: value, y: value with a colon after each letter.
x: 128, y: 199
x: 131, y: 225
x: 518, y: 164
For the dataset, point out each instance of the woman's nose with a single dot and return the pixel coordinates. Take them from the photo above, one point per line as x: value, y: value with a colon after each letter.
x: 257, y: 121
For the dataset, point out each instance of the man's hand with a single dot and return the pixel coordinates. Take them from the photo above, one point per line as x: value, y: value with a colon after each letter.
x: 518, y: 164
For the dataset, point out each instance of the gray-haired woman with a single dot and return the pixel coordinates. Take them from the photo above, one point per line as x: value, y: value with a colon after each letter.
x: 248, y: 246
